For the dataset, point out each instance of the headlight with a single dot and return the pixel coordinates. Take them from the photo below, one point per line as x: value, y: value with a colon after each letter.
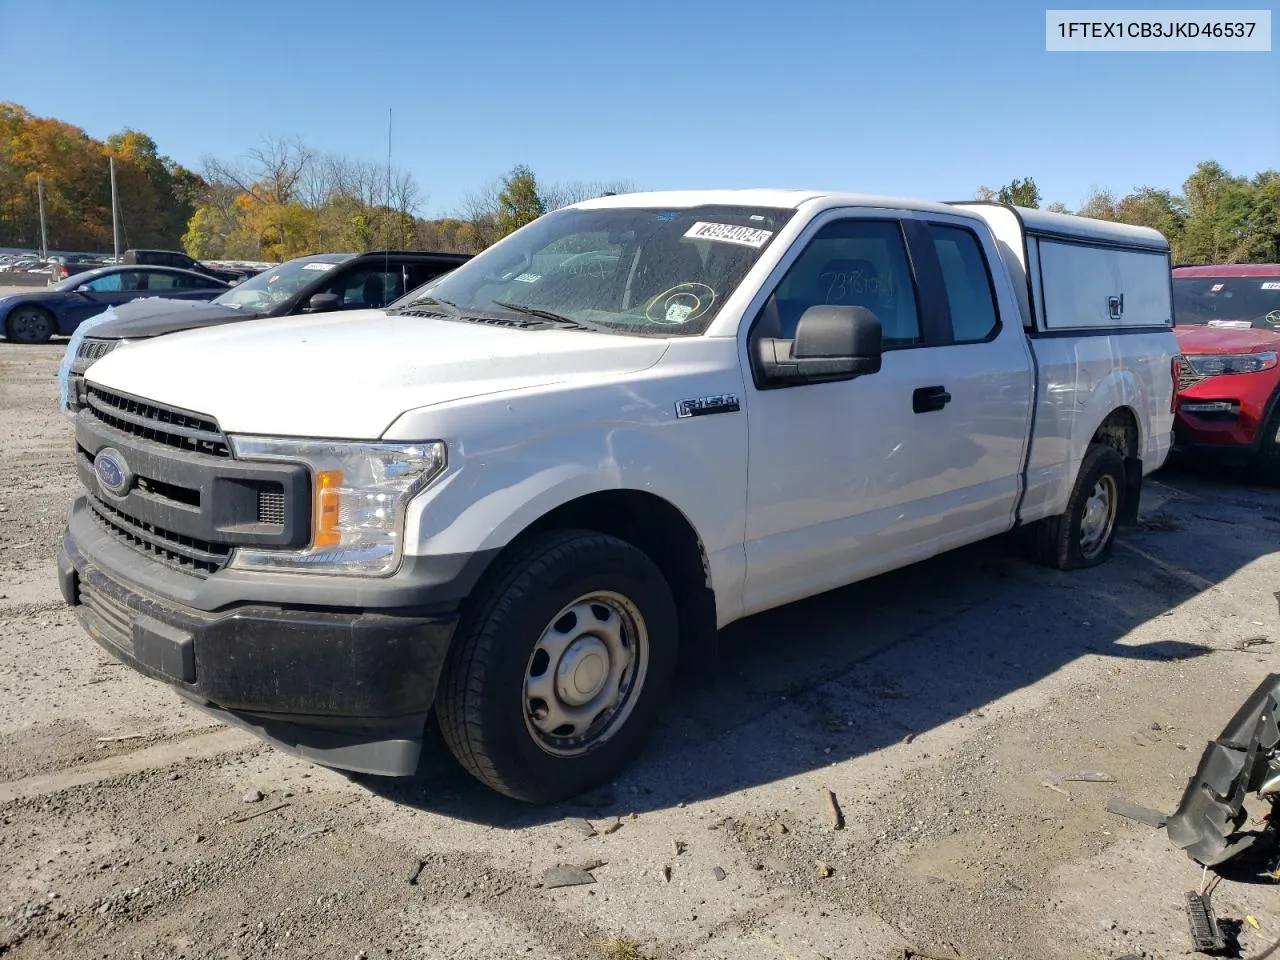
x: 1215, y: 365
x: 358, y: 500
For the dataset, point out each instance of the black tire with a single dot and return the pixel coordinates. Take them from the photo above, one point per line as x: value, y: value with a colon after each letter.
x: 1265, y: 465
x: 30, y: 324
x: 483, y: 702
x: 1056, y: 541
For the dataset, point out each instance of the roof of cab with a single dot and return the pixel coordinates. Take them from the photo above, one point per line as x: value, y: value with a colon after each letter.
x: 778, y: 199
x: 1035, y: 221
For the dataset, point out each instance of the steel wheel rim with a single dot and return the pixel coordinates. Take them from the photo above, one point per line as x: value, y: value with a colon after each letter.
x: 1099, y: 517
x: 585, y: 674
x: 29, y: 322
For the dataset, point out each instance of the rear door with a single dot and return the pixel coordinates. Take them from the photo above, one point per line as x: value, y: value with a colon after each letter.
x: 985, y: 369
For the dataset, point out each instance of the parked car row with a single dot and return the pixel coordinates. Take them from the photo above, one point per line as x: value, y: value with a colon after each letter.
x: 314, y: 284
x: 231, y: 273
x: 64, y: 265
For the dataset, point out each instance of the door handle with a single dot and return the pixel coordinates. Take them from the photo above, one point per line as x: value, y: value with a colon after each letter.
x: 928, y: 399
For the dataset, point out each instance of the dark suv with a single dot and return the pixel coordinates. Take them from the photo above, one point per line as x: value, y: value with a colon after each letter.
x: 316, y: 284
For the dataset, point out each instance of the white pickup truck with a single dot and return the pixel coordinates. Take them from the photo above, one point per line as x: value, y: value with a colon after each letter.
x: 529, y: 492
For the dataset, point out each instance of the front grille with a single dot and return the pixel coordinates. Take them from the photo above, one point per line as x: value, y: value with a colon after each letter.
x: 174, y: 549
x: 159, y: 424
x: 271, y: 505
x: 112, y: 614
x: 1187, y: 376
x: 91, y: 349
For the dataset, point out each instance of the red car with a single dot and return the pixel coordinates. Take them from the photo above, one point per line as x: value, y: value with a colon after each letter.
x: 1227, y: 321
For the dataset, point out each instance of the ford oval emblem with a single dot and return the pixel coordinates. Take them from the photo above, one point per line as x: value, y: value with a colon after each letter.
x: 113, y: 473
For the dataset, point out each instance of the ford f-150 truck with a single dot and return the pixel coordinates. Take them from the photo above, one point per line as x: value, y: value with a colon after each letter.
x: 530, y: 493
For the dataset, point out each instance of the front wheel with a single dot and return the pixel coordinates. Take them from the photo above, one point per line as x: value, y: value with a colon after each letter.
x: 561, y: 663
x: 1084, y: 533
x: 30, y: 324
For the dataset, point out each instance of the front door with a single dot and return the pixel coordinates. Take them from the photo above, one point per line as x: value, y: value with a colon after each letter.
x: 853, y: 478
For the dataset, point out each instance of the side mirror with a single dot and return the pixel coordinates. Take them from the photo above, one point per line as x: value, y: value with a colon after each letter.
x: 832, y: 343
x: 323, y: 302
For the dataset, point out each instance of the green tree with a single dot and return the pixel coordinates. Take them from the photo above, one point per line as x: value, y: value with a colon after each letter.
x: 1100, y: 205
x: 1058, y: 207
x: 519, y: 201
x: 1020, y: 193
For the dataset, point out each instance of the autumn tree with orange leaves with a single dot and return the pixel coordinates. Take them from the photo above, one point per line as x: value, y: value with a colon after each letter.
x: 156, y: 195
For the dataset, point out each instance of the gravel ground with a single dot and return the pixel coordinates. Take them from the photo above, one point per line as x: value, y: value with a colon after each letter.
x: 936, y: 703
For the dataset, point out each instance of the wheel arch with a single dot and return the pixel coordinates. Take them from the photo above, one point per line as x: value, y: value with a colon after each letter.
x: 660, y: 530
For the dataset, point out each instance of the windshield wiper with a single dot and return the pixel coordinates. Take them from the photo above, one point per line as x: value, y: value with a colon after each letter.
x: 550, y: 316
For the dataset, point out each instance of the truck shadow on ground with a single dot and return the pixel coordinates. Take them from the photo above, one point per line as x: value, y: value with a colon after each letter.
x: 856, y: 670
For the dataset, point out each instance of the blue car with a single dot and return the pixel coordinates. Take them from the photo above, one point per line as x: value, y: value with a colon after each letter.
x: 36, y: 315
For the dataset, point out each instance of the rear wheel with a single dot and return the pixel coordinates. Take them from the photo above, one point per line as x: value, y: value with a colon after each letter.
x: 1084, y: 533
x: 560, y: 666
x: 30, y: 324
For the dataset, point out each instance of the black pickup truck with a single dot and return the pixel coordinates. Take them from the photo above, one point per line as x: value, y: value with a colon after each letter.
x: 315, y: 284
x: 161, y: 258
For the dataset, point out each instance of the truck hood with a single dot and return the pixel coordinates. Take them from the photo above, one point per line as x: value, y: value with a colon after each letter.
x: 351, y: 375
x: 1208, y: 340
x: 156, y: 316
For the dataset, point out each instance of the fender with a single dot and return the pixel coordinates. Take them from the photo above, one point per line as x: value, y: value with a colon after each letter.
x: 514, y: 460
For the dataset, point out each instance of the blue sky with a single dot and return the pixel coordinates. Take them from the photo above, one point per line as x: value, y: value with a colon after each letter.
x: 915, y: 98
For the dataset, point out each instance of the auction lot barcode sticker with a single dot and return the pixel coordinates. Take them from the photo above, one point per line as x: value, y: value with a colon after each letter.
x: 1150, y: 31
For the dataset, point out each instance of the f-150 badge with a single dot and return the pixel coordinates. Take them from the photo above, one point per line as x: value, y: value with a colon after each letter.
x: 702, y: 406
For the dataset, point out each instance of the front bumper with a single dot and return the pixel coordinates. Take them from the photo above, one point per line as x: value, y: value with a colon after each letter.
x: 345, y: 686
x: 1226, y: 413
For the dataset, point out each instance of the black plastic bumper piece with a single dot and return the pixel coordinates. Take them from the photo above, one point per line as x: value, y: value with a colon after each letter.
x: 1239, y: 762
x: 346, y: 688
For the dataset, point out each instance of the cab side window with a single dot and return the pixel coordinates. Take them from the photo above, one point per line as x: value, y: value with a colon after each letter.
x: 860, y: 263
x: 968, y: 283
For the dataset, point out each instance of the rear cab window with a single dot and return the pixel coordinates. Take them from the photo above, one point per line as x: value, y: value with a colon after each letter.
x: 966, y: 277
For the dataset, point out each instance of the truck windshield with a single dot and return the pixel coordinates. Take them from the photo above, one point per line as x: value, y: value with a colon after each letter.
x: 274, y: 286
x: 1237, y: 301
x: 628, y: 270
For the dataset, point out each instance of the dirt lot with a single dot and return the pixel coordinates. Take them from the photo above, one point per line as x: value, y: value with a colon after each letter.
x: 935, y: 702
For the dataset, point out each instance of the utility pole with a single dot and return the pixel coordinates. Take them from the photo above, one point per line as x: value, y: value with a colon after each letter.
x: 115, y: 210
x: 44, y: 232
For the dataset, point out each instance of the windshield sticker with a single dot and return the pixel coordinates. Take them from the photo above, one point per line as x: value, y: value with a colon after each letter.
x: 529, y: 278
x: 1230, y: 324
x: 1271, y: 285
x: 683, y: 303
x: 1216, y: 287
x: 317, y: 266
x: 729, y: 233
x: 666, y: 217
